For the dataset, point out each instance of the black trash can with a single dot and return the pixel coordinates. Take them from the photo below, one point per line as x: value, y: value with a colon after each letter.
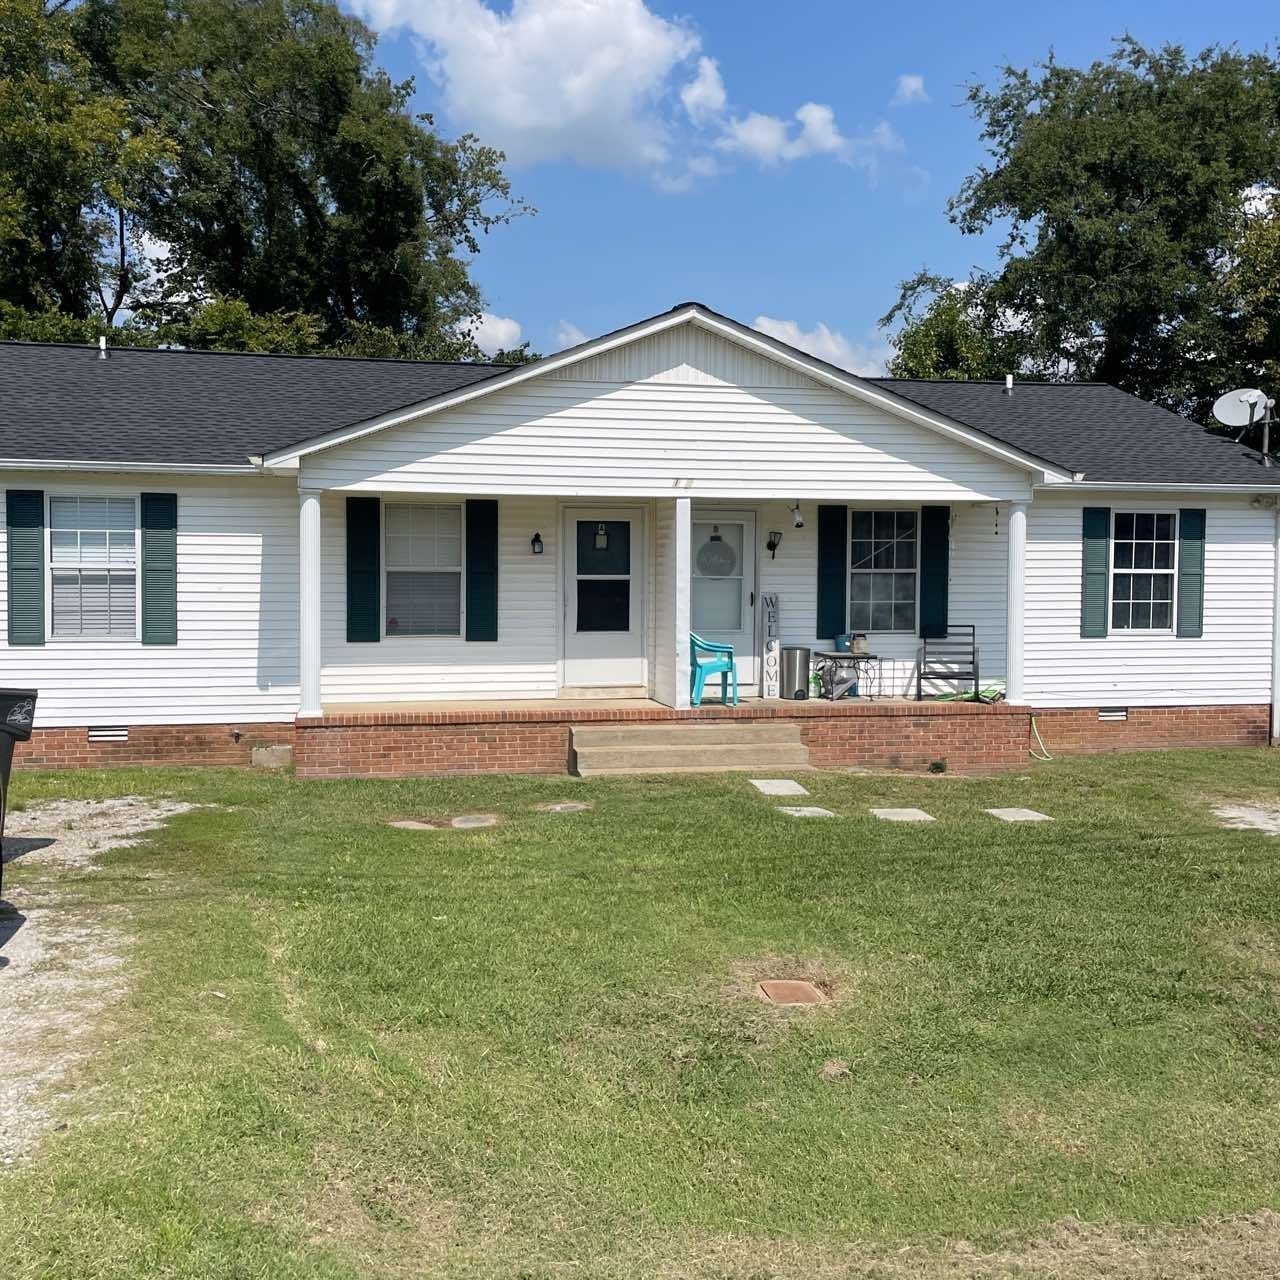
x: 17, y: 711
x: 795, y: 672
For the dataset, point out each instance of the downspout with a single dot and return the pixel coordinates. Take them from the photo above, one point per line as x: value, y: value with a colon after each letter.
x: 1275, y: 636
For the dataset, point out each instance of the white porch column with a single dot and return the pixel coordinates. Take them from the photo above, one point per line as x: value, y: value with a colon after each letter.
x: 1017, y: 592
x: 309, y: 602
x: 680, y: 613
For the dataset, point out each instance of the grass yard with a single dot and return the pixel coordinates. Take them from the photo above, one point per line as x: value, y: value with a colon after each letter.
x: 534, y: 1050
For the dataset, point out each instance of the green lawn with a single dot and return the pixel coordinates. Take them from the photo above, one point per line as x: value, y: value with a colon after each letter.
x: 535, y: 1050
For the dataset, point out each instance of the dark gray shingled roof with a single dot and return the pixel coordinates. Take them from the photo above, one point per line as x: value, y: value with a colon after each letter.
x: 193, y: 408
x: 202, y: 408
x: 1093, y: 428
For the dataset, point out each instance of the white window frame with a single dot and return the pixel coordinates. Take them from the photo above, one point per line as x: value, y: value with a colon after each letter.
x: 49, y: 569
x: 413, y: 501
x: 849, y: 570
x: 1171, y: 629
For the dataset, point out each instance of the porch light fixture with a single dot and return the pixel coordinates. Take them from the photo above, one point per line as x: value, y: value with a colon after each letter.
x: 796, y: 518
x: 535, y: 544
x: 602, y: 537
x: 772, y: 543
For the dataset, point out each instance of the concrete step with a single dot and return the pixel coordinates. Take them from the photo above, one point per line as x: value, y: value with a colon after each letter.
x: 629, y: 771
x: 717, y: 733
x: 668, y: 757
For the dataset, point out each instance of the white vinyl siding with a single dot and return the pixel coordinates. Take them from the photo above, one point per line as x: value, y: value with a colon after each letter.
x: 92, y: 566
x: 645, y: 438
x: 1230, y: 663
x: 236, y: 659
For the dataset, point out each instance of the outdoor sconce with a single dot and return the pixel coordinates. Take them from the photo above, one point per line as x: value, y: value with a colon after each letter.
x: 772, y: 543
x: 535, y: 544
x: 602, y: 537
x: 796, y: 518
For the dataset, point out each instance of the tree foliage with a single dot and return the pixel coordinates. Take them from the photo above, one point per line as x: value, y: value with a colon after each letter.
x: 1127, y: 191
x: 237, y: 169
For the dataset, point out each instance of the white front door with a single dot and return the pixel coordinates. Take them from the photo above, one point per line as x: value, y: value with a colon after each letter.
x: 604, y: 598
x: 722, y: 565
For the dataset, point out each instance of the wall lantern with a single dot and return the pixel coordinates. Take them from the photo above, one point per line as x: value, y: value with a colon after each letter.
x: 772, y: 543
x: 535, y: 544
x: 602, y: 537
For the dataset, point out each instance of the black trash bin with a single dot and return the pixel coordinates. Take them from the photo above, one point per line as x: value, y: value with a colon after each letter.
x: 17, y: 710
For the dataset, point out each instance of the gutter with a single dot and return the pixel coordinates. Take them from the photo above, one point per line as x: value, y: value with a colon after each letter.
x: 1164, y: 486
x: 150, y: 468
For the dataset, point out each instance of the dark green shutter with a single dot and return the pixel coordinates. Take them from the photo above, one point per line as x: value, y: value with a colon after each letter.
x: 482, y: 569
x: 1191, y: 571
x: 833, y: 571
x: 24, y: 515
x: 935, y: 569
x: 159, y: 568
x: 1095, y: 566
x: 364, y: 570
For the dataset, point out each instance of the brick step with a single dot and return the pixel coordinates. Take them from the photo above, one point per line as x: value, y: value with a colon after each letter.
x: 720, y: 733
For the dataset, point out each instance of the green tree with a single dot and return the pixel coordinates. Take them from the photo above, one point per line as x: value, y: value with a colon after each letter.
x: 75, y: 164
x: 300, y: 180
x: 1121, y: 188
x: 945, y: 334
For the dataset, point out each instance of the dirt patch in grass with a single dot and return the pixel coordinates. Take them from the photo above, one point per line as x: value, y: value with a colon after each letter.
x: 61, y: 967
x: 1224, y: 1249
x: 1249, y: 817
x: 383, y: 1226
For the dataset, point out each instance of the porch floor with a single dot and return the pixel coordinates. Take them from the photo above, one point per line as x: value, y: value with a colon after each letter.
x: 581, y: 704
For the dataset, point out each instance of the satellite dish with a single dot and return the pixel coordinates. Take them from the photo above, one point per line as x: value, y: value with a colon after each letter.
x: 1240, y: 408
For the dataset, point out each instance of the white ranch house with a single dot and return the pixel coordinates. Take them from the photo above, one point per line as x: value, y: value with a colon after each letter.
x: 401, y: 568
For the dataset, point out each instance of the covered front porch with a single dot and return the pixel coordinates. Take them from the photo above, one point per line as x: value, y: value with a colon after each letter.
x: 414, y: 602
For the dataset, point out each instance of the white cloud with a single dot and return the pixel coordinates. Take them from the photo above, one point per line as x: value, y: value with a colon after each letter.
x: 568, y: 335
x: 771, y: 141
x: 605, y: 83
x: 864, y: 358
x: 704, y: 97
x: 909, y: 89
x: 495, y: 333
x: 551, y: 79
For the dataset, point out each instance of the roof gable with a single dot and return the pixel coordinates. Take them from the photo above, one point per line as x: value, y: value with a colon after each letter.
x: 693, y: 315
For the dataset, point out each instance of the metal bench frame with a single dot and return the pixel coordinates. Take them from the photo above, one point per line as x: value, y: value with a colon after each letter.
x: 953, y: 657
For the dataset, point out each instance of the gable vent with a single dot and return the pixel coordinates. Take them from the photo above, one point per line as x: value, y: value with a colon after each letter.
x: 1113, y: 713
x: 108, y: 733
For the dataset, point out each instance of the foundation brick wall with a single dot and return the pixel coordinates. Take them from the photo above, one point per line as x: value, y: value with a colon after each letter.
x: 887, y: 735
x: 181, y: 744
x: 1077, y: 730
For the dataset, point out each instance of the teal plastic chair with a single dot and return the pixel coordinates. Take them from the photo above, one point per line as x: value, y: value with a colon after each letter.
x: 708, y: 659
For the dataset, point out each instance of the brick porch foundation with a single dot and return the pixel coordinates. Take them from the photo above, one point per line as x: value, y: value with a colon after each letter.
x: 885, y: 735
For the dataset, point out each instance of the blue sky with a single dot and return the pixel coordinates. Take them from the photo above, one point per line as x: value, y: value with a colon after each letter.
x: 787, y: 163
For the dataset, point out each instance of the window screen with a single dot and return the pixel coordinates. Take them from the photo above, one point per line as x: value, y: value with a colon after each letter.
x: 1143, y: 556
x: 93, y: 566
x: 424, y: 569
x: 883, y: 560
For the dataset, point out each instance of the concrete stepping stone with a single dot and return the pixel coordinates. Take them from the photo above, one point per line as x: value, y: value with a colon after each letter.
x: 778, y: 787
x: 1019, y: 815
x: 564, y: 806
x: 903, y: 815
x: 805, y: 811
x: 468, y: 821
